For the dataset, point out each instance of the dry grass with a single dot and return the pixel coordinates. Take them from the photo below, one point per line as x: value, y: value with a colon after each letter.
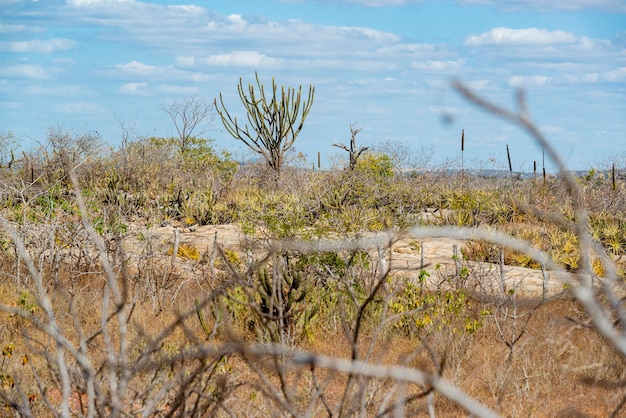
x: 557, y: 367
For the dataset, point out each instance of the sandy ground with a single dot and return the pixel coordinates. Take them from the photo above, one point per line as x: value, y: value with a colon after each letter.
x: 406, y: 259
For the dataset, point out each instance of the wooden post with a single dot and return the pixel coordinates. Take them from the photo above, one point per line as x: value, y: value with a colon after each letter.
x: 613, y: 177
x: 502, y: 274
x: 462, y: 159
x: 545, y: 280
x: 176, y: 244
x: 457, y: 259
x: 382, y: 263
x: 543, y: 165
x: 508, y: 155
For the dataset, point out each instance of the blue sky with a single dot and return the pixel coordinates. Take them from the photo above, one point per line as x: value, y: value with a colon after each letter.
x: 382, y: 65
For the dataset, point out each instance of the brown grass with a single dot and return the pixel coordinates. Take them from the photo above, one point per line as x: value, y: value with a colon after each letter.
x: 560, y: 367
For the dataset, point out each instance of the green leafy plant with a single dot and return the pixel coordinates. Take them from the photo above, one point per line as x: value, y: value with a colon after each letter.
x: 375, y: 164
x: 424, y: 312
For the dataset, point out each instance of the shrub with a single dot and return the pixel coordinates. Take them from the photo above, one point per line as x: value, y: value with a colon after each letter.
x: 424, y: 312
x: 375, y: 164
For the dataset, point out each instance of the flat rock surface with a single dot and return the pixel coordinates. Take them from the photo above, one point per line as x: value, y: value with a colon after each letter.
x: 406, y: 257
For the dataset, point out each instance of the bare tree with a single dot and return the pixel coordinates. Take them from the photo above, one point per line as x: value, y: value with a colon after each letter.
x: 75, y: 147
x: 192, y: 117
x: 7, y: 144
x: 404, y: 156
x: 273, y: 120
x: 352, y: 150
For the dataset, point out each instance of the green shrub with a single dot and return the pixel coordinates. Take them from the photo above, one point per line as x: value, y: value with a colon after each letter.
x: 375, y: 164
x: 425, y: 312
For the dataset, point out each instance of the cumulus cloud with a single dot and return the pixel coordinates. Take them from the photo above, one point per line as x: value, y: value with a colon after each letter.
x: 528, y: 36
x: 528, y: 81
x: 368, y: 33
x: 169, y: 31
x: 64, y: 61
x: 435, y: 65
x: 615, y: 75
x: 378, y: 3
x: 47, y: 89
x: 134, y: 89
x: 187, y: 8
x: 237, y: 19
x: 477, y: 84
x: 252, y: 59
x: 80, y: 107
x: 25, y: 71
x: 185, y: 61
x: 611, y: 6
x: 136, y: 68
x: 11, y: 28
x: 79, y: 3
x: 611, y: 76
x: 37, y: 46
x: 195, y: 37
x: 179, y: 91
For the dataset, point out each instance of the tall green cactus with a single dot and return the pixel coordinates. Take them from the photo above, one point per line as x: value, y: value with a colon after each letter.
x: 272, y: 124
x: 281, y: 298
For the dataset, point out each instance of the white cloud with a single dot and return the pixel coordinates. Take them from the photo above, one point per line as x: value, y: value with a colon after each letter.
x: 380, y: 3
x: 581, y: 78
x: 528, y: 81
x: 528, y: 36
x: 187, y: 8
x: 477, y: 84
x: 24, y: 71
x: 79, y: 3
x: 252, y: 59
x: 371, y: 34
x: 614, y: 6
x: 38, y: 46
x: 611, y: 76
x: 435, y: 65
x: 214, y: 36
x: 185, y: 61
x: 180, y: 91
x: 237, y: 20
x: 543, y: 6
x: 47, y: 89
x: 194, y: 36
x: 64, y: 61
x: 11, y: 28
x: 136, y: 68
x: 134, y: 89
x: 80, y: 107
x: 615, y: 75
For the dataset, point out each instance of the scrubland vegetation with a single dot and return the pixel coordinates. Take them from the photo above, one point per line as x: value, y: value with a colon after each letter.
x: 303, y: 317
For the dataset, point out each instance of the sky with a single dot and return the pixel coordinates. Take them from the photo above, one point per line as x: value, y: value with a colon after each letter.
x: 384, y: 66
